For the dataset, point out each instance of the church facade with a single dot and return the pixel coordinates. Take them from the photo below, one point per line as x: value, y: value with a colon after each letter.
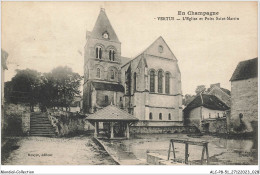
x: 147, y: 86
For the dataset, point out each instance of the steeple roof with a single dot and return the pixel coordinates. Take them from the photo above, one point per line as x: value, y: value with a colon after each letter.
x: 102, y: 26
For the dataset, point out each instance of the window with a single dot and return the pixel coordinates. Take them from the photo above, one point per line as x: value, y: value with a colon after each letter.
x: 218, y: 115
x: 112, y: 74
x: 98, y: 52
x: 150, y: 116
x: 160, y: 116
x: 112, y: 55
x: 169, y: 117
x: 134, y: 81
x: 160, y: 49
x: 152, y: 76
x: 121, y: 99
x: 106, y: 99
x: 209, y: 115
x: 167, y: 83
x: 160, y: 76
x: 98, y: 73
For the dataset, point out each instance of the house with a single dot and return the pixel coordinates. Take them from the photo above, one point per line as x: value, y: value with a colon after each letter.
x: 207, y: 113
x: 147, y: 86
x: 244, y: 97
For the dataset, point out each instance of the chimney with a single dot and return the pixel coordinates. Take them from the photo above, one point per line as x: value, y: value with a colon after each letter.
x: 216, y: 84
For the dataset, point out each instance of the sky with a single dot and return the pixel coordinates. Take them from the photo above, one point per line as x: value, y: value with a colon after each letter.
x: 44, y: 35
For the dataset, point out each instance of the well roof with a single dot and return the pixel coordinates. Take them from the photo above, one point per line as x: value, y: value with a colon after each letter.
x: 111, y: 113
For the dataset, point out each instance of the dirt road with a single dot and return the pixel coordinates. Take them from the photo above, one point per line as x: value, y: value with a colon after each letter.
x: 80, y: 150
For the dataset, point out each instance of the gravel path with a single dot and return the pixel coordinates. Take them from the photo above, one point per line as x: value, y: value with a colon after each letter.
x: 79, y: 150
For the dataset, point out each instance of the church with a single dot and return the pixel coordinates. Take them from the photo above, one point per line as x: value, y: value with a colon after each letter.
x: 147, y: 86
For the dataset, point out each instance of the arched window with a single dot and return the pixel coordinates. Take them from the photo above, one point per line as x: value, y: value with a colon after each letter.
x: 160, y: 76
x: 98, y: 52
x: 112, y: 74
x: 98, y: 73
x: 134, y: 81
x: 150, y: 116
x: 167, y: 83
x: 112, y: 55
x: 169, y: 117
x: 152, y: 81
x: 160, y: 116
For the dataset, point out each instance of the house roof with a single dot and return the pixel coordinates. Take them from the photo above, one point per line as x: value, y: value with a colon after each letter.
x: 245, y: 70
x: 111, y: 113
x: 103, y: 25
x: 207, y: 101
x: 108, y: 86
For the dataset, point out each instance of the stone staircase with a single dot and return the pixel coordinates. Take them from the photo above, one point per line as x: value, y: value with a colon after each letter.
x: 40, y: 125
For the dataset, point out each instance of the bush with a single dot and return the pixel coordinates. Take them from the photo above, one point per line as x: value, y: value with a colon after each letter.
x: 13, y: 125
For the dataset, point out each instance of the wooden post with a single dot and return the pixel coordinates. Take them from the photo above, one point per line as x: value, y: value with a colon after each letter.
x: 202, y: 156
x: 186, y: 153
x: 112, y: 130
x: 207, y: 153
x: 97, y: 128
x: 127, y: 131
x: 169, y: 151
x: 173, y: 150
x: 95, y: 134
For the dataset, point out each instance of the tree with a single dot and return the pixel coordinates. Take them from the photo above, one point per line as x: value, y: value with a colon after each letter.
x: 200, y: 88
x: 187, y: 99
x: 25, y: 86
x: 65, y: 86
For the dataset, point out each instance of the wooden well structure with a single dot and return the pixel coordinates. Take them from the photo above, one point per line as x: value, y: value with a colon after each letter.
x: 115, y: 121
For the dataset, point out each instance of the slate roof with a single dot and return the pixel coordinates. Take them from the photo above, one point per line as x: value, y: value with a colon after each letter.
x: 111, y: 113
x: 207, y: 101
x: 108, y: 86
x: 245, y: 70
x: 103, y: 25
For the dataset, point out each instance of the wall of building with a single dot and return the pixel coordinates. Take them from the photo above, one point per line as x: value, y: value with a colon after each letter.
x: 162, y: 129
x: 158, y: 123
x: 244, y: 97
x: 209, y: 113
x: 194, y: 117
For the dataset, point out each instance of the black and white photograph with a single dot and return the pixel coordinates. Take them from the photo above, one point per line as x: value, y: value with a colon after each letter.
x: 130, y: 83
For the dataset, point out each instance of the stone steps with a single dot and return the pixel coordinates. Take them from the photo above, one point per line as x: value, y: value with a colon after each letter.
x: 40, y: 125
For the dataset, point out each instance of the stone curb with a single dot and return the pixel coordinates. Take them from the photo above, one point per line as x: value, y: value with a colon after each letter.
x: 107, y: 150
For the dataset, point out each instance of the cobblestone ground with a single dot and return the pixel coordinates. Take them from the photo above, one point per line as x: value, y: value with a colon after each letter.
x: 80, y: 150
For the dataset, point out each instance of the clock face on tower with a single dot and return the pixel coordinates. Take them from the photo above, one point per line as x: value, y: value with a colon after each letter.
x: 105, y: 35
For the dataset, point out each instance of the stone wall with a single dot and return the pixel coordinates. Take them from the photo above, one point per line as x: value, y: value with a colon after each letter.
x: 26, y: 122
x: 158, y: 123
x: 244, y: 100
x: 218, y: 125
x: 16, y: 119
x: 66, y: 123
x: 162, y: 129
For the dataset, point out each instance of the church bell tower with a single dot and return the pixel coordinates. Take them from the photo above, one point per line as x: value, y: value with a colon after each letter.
x: 102, y: 63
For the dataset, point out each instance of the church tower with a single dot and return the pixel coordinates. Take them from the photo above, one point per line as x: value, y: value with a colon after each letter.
x: 102, y: 63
